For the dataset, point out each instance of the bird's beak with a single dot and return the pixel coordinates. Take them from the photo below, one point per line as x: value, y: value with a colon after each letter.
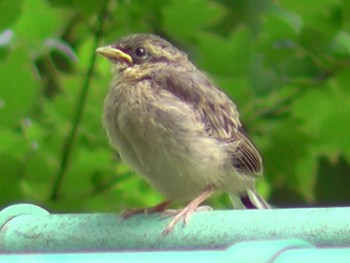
x: 114, y: 54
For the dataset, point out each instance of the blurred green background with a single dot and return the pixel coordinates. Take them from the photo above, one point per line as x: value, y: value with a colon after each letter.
x: 286, y: 64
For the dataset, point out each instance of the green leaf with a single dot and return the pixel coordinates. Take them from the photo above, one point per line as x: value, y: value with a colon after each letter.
x: 310, y: 7
x: 262, y: 77
x: 9, y: 180
x: 222, y: 56
x: 16, y: 74
x: 332, y: 186
x: 306, y: 175
x: 324, y: 113
x: 281, y: 25
x: 183, y: 18
x: 341, y: 44
x: 38, y: 22
x: 87, y: 7
x: 10, y: 10
x: 292, y: 143
x: 8, y: 140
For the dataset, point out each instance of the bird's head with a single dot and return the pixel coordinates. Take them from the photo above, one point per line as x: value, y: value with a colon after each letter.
x: 141, y: 51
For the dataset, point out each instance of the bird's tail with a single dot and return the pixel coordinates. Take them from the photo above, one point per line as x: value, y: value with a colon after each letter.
x: 250, y: 200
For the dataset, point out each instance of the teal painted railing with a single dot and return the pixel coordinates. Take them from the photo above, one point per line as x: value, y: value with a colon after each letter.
x: 276, y: 235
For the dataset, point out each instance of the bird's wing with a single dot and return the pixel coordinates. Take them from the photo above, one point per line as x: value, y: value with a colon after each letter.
x: 220, y: 116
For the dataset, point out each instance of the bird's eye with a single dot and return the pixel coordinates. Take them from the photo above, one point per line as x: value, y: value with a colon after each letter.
x: 140, y: 52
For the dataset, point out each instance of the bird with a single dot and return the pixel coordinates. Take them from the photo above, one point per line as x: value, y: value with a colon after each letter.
x: 176, y: 128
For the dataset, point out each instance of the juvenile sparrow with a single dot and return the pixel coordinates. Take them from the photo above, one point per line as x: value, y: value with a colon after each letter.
x: 176, y: 128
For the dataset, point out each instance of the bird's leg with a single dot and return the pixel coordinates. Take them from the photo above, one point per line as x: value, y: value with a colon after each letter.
x: 174, y: 212
x: 186, y: 212
x: 154, y: 209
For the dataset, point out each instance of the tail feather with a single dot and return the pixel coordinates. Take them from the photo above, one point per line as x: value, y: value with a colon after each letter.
x: 237, y: 203
x: 249, y: 201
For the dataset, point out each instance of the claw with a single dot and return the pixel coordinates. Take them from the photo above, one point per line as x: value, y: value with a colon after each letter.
x: 183, y: 214
x: 186, y: 213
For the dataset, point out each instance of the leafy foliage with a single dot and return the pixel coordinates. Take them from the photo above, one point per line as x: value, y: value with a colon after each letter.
x: 286, y: 63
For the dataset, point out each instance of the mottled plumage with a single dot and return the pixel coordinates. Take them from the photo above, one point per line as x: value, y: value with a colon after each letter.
x: 174, y: 127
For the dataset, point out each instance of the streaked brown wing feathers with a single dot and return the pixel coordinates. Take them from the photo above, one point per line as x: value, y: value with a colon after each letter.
x: 246, y: 157
x: 220, y: 118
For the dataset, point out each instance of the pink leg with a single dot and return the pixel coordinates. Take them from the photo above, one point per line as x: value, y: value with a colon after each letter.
x: 185, y: 214
x: 154, y: 209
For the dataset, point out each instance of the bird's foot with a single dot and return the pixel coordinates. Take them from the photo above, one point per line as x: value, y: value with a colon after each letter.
x: 154, y: 209
x: 185, y: 214
x: 173, y: 212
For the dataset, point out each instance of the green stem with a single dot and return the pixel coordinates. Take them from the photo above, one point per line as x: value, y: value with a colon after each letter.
x: 68, y: 144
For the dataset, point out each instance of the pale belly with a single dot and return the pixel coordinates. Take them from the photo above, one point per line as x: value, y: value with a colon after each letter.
x: 171, y: 151
x: 180, y: 167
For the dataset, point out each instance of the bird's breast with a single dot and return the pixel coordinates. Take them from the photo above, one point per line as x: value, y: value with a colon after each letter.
x: 160, y: 138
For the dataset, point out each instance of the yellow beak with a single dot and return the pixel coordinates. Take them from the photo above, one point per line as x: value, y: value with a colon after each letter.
x: 114, y: 54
